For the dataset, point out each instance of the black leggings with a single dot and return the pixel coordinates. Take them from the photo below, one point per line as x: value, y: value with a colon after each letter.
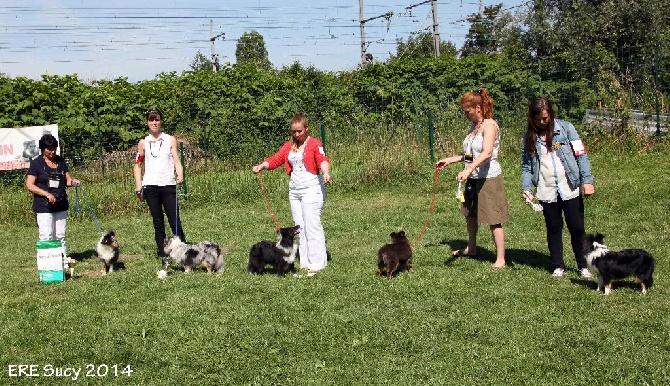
x: 161, y: 198
x: 573, y: 210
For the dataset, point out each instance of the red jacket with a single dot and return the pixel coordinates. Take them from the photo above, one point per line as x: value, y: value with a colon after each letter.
x: 313, y: 156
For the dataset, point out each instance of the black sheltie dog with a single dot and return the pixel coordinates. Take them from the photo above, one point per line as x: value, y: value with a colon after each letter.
x: 618, y: 265
x: 205, y: 253
x: 394, y: 255
x: 108, y: 252
x: 279, y: 254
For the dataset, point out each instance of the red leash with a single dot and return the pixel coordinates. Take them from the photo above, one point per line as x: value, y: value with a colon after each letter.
x: 267, y: 199
x: 432, y: 207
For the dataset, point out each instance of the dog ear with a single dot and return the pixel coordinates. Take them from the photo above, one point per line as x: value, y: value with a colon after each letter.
x: 599, y: 238
x: 392, y: 235
x: 401, y: 234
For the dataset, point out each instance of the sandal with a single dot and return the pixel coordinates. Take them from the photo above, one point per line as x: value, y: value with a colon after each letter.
x: 461, y: 253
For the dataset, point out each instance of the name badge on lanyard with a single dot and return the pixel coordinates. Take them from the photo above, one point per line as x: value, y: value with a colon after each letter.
x: 54, y: 180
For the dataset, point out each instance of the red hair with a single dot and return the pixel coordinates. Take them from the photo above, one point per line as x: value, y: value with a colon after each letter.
x: 481, y: 98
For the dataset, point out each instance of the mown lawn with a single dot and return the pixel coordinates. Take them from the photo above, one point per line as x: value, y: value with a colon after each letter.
x: 448, y: 322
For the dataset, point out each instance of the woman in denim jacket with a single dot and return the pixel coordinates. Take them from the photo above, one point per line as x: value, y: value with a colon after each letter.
x: 554, y: 160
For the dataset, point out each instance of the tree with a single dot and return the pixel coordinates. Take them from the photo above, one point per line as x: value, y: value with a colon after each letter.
x: 422, y: 45
x: 200, y: 63
x: 251, y: 50
x: 486, y: 31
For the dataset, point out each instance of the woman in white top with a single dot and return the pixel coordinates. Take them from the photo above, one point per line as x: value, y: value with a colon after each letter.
x: 158, y: 151
x: 485, y: 200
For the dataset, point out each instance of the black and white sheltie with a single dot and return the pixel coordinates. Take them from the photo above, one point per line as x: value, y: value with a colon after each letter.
x: 279, y: 254
x: 205, y: 253
x: 108, y: 252
x: 618, y: 265
x: 394, y: 255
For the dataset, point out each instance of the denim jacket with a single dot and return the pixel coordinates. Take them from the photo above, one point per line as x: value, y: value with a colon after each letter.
x: 578, y: 169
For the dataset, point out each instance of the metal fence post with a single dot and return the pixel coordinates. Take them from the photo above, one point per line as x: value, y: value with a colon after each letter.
x: 323, y: 136
x: 431, y: 137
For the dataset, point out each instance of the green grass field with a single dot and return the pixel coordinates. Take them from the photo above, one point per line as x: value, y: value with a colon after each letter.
x: 448, y: 322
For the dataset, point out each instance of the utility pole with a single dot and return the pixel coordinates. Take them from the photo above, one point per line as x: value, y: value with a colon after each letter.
x: 436, y: 33
x: 387, y: 16
x: 212, y: 38
x: 360, y: 20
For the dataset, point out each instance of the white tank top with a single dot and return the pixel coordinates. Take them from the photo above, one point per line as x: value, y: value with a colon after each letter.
x: 158, y: 162
x: 474, y: 145
x: 300, y: 176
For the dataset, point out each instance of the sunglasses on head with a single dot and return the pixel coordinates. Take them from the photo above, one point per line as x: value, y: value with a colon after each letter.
x: 478, y: 91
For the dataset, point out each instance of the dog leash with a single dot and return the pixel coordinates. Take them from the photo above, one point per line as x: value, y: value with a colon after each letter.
x: 76, y: 205
x: 432, y: 207
x: 267, y: 200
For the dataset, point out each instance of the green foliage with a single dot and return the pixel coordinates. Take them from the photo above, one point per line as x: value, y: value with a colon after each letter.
x: 200, y: 62
x: 421, y: 45
x: 487, y: 33
x: 251, y: 50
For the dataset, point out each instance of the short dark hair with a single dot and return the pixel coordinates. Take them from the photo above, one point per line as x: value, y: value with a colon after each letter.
x: 48, y: 141
x: 153, y: 113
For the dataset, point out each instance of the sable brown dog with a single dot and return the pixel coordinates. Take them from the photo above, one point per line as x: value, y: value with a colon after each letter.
x: 395, y: 255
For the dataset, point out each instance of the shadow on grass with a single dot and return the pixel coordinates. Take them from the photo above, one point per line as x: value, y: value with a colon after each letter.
x: 629, y: 284
x: 529, y: 258
x: 85, y: 255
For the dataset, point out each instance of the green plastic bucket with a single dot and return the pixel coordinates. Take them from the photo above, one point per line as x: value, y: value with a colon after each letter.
x: 50, y: 261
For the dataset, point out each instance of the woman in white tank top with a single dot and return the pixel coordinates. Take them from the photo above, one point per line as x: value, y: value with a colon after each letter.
x: 485, y: 201
x: 158, y: 151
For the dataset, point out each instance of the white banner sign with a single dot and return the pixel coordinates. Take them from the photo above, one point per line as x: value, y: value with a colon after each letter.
x: 19, y: 145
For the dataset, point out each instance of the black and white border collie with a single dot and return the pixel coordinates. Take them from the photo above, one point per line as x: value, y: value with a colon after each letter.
x: 108, y: 252
x: 204, y: 253
x: 617, y: 265
x: 280, y: 254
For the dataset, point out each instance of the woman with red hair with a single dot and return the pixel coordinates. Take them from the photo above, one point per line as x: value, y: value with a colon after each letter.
x: 485, y: 201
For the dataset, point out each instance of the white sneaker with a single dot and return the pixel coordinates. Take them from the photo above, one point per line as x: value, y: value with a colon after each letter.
x: 558, y: 273
x: 585, y: 273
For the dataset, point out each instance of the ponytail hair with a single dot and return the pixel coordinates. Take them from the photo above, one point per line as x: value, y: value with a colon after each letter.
x: 479, y: 97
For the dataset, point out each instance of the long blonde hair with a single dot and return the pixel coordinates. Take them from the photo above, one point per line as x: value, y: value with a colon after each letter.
x: 298, y: 118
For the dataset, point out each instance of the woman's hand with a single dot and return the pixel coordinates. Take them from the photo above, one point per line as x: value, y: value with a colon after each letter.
x: 179, y: 180
x: 441, y: 164
x: 527, y: 197
x: 257, y: 169
x: 464, y: 174
x: 326, y: 177
x: 51, y: 198
x: 75, y: 182
x: 589, y: 189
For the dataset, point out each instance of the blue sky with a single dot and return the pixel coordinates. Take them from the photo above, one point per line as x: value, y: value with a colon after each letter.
x: 141, y: 38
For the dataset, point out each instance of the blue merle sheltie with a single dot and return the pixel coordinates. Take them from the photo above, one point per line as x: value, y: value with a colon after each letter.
x: 108, y: 252
x: 204, y: 253
x: 394, y: 256
x: 279, y: 254
x: 611, y: 265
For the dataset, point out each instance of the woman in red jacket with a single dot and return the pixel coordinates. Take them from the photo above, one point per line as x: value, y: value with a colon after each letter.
x: 303, y: 156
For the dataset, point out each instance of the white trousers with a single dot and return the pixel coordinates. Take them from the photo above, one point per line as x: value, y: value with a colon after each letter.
x: 306, y: 206
x: 51, y: 226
